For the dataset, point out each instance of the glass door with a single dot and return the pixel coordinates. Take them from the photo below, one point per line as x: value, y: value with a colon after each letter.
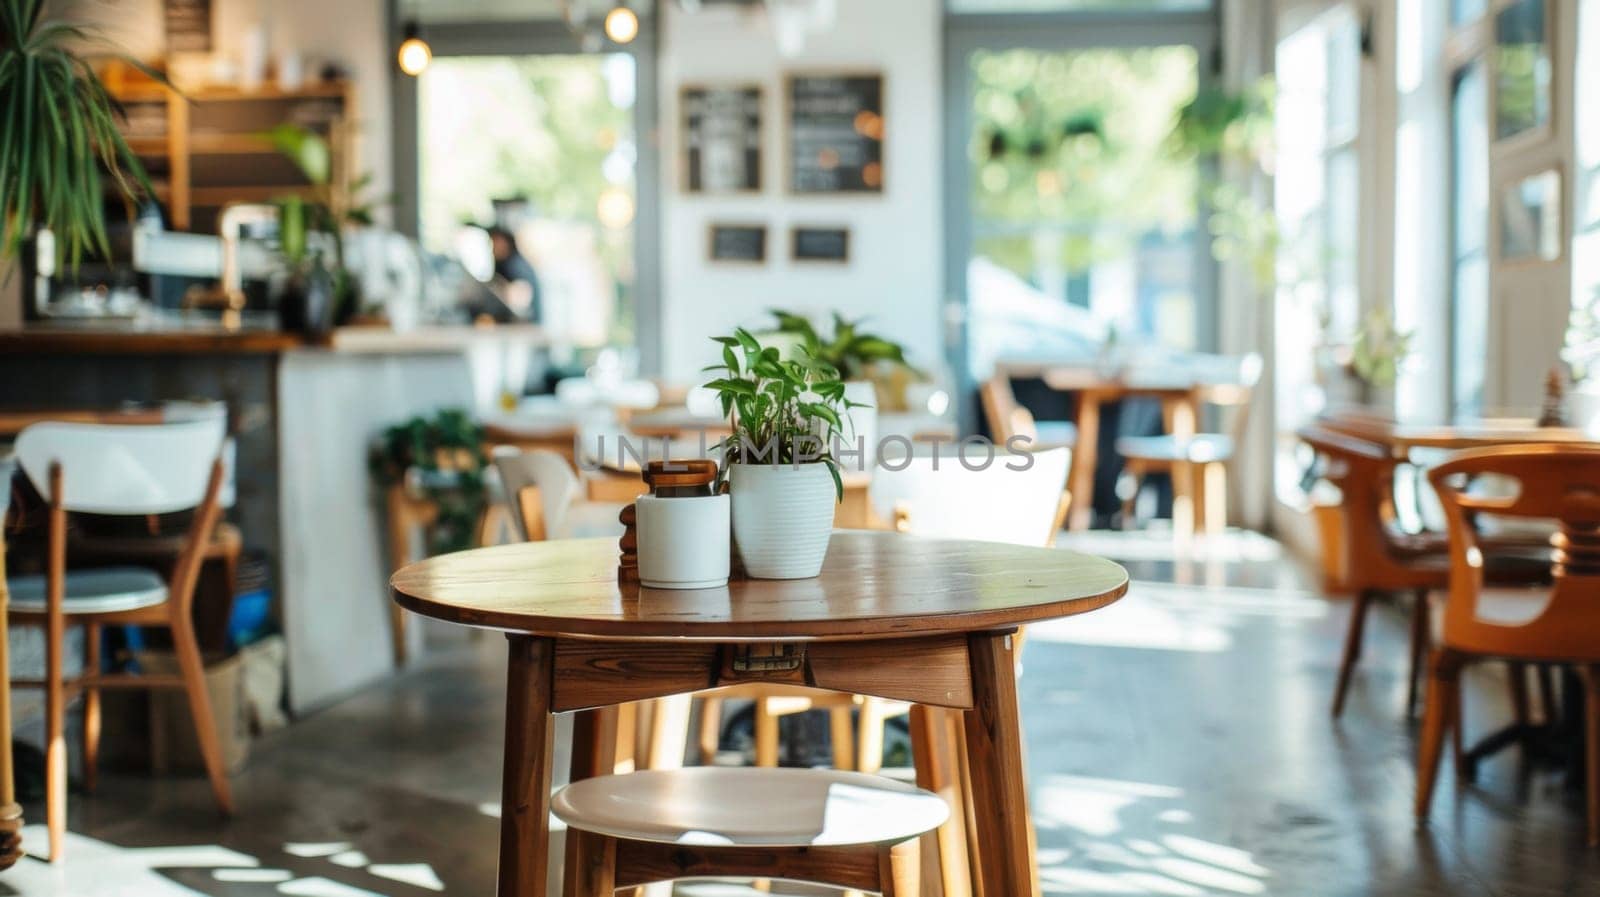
x: 1071, y: 222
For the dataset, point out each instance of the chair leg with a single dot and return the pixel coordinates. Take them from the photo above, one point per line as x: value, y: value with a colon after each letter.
x: 900, y: 870
x: 1130, y: 502
x: 710, y: 729
x: 1214, y: 488
x: 1419, y: 649
x: 766, y: 734
x: 1439, y: 713
x: 91, y: 706
x: 1183, y: 507
x: 596, y: 860
x: 1517, y: 692
x: 842, y: 736
x: 1591, y: 759
x: 1352, y: 649
x: 55, y: 750
x: 869, y: 750
x: 669, y: 732
x: 205, y: 726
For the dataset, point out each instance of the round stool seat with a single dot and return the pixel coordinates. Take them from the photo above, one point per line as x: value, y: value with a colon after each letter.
x: 744, y: 807
x: 101, y: 590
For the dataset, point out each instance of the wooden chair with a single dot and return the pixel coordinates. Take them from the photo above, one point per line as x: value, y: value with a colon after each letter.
x: 1560, y: 625
x: 1198, y: 464
x: 843, y: 829
x: 1007, y: 418
x: 117, y: 469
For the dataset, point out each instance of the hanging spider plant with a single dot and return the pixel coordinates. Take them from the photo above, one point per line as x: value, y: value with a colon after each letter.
x: 58, y: 136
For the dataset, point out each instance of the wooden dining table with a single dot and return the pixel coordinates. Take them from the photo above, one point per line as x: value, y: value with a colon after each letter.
x: 1178, y: 389
x: 929, y: 622
x: 1402, y: 437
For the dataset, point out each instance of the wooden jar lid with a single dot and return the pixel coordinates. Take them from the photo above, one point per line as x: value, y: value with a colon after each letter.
x: 695, y: 472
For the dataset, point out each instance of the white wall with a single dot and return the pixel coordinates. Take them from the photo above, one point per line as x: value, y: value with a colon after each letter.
x: 348, y: 32
x: 896, y: 238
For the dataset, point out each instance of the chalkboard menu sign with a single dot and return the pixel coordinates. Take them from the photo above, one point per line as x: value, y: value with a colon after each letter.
x: 721, y: 139
x: 820, y: 244
x: 188, y: 26
x: 836, y: 133
x: 738, y: 243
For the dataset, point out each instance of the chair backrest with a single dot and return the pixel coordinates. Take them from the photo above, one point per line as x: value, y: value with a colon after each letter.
x: 994, y: 504
x: 1005, y: 416
x: 546, y: 471
x: 124, y: 468
x: 1560, y: 482
x: 1364, y: 474
x: 1233, y: 395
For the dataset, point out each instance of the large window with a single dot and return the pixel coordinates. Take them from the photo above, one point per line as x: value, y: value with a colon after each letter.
x: 1469, y: 232
x: 543, y: 146
x: 1317, y: 203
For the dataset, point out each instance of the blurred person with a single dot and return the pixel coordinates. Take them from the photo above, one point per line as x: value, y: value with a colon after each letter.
x: 515, y: 281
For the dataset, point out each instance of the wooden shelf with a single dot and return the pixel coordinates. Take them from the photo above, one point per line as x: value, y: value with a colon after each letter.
x: 240, y: 136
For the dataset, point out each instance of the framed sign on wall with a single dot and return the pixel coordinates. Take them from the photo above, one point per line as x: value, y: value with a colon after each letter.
x: 721, y: 148
x: 737, y: 243
x: 836, y: 130
x: 820, y: 244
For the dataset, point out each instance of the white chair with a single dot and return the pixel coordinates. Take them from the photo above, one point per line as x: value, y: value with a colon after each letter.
x: 118, y: 470
x: 942, y: 498
x: 835, y: 828
x: 547, y: 499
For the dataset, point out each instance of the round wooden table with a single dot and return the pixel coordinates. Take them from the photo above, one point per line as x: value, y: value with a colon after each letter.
x: 924, y: 621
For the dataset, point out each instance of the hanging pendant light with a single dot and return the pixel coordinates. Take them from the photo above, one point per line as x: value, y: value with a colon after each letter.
x: 414, y: 53
x: 622, y: 24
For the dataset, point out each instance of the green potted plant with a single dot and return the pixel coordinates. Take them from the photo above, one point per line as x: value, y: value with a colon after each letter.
x: 441, y: 459
x: 864, y: 361
x: 779, y: 464
x: 59, y: 142
x: 320, y: 291
x: 1379, y: 349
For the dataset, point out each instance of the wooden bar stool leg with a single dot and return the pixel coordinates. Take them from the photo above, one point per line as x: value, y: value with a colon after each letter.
x: 91, y: 706
x: 596, y: 860
x: 933, y: 749
x: 710, y: 729
x: 1352, y: 649
x: 194, y: 684
x: 669, y: 732
x: 1183, y: 507
x: 900, y: 870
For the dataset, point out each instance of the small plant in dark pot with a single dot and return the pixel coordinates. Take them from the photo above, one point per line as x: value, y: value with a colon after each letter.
x: 782, y: 474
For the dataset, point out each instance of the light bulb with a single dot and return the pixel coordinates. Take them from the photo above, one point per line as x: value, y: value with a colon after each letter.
x: 622, y: 25
x: 414, y: 54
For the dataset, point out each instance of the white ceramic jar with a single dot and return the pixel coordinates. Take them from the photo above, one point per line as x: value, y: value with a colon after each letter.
x: 683, y: 541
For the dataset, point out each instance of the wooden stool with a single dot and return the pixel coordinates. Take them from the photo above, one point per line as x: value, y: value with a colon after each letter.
x: 843, y: 829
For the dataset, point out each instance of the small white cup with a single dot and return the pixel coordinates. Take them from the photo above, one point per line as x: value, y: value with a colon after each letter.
x: 683, y: 542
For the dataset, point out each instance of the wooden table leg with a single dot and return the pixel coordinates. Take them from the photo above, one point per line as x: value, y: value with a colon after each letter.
x: 525, y: 786
x: 1080, y: 482
x: 999, y: 787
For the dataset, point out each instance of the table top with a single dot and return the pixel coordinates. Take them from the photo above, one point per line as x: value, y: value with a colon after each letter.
x: 1401, y: 437
x: 873, y: 585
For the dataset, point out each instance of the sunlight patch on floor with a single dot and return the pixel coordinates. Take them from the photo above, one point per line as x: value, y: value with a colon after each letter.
x: 93, y: 867
x: 1092, y: 816
x: 1158, y: 544
x: 1165, y: 617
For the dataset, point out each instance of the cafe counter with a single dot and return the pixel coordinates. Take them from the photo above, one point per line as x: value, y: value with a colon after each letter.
x: 304, y: 416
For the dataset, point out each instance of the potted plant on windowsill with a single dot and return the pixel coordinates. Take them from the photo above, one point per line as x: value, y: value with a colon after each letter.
x: 779, y: 464
x: 861, y: 358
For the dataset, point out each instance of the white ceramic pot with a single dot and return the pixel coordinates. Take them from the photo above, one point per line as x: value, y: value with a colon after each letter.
x: 862, y: 427
x: 683, y: 542
x: 1583, y: 407
x: 782, y: 518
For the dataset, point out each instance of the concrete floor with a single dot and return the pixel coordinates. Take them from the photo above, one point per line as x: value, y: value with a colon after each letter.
x: 1179, y: 744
